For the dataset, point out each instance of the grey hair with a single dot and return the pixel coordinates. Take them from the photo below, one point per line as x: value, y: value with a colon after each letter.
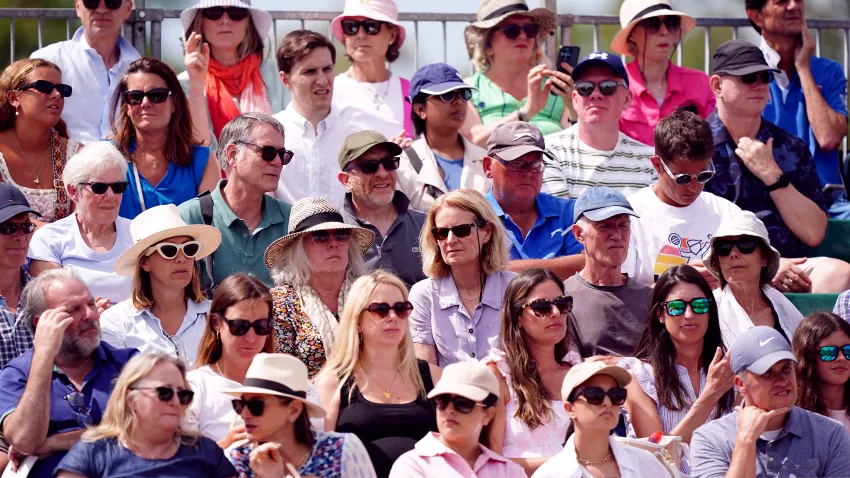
x: 34, y: 295
x: 240, y: 130
x: 92, y: 161
x: 293, y: 267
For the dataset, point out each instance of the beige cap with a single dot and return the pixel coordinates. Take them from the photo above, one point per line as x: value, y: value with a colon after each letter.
x: 582, y: 372
x: 468, y: 379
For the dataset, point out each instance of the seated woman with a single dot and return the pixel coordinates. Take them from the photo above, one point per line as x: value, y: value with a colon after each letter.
x: 512, y: 81
x: 822, y: 347
x: 650, y: 33
x: 464, y: 253
x: 531, y: 422
x: 313, y: 267
x: 465, y: 400
x: 373, y: 386
x: 93, y: 237
x: 441, y: 160
x: 167, y: 309
x: 593, y: 393
x: 140, y: 433
x: 279, y: 441
x: 34, y: 144
x: 153, y: 129
x: 744, y: 262
x: 238, y: 328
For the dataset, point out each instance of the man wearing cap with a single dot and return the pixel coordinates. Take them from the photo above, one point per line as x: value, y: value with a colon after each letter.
x: 538, y: 224
x: 768, y: 171
x: 594, y: 152
x: 767, y: 435
x: 609, y: 317
x: 368, y: 163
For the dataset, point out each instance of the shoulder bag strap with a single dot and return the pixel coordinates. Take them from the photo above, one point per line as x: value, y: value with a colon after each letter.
x: 138, y: 185
x: 59, y: 157
x: 416, y: 163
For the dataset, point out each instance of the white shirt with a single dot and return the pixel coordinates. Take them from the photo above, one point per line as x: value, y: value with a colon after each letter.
x: 88, y: 108
x: 62, y: 243
x: 125, y: 326
x: 211, y: 412
x: 841, y: 416
x: 665, y: 236
x: 375, y: 106
x: 314, y: 167
x: 632, y: 462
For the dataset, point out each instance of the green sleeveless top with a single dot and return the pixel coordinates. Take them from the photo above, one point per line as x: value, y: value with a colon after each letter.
x: 494, y: 104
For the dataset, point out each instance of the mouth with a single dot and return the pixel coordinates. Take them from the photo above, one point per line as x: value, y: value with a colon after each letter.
x: 450, y: 423
x: 249, y: 428
x: 381, y: 187
x: 322, y: 91
x: 556, y: 325
x: 392, y: 330
x: 784, y: 393
x: 840, y: 368
x: 688, y: 327
x: 606, y: 413
x: 53, y: 107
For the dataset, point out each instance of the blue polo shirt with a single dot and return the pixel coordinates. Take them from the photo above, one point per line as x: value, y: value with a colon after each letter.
x: 550, y: 236
x: 108, y: 362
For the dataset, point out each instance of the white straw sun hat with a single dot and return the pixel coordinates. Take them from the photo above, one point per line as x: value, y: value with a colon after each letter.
x: 633, y: 11
x: 261, y: 18
x: 744, y: 223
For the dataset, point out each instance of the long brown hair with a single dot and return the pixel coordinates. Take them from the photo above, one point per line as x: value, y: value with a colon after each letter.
x: 14, y: 76
x: 180, y: 130
x: 252, y: 43
x: 807, y: 339
x: 233, y: 289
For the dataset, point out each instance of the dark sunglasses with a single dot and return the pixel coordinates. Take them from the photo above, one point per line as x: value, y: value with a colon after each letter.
x: 240, y: 327
x: 215, y: 13
x: 465, y: 94
x: 100, y: 188
x: 829, y: 353
x: 462, y: 404
x: 652, y: 25
x: 723, y: 247
x: 255, y: 405
x: 169, y: 250
x: 676, y: 308
x: 47, y: 87
x: 382, y: 309
x: 606, y: 87
x: 351, y: 27
x: 461, y: 230
x: 684, y: 179
x: 155, y: 95
x: 268, y: 153
x: 77, y: 401
x: 165, y: 394
x: 765, y: 76
x: 9, y: 228
x: 513, y: 30
x: 596, y: 395
x: 323, y: 237
x: 110, y: 4
x: 543, y: 307
x: 370, y: 166
x: 520, y: 166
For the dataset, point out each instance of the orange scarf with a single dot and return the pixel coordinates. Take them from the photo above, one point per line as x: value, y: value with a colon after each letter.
x: 242, y: 81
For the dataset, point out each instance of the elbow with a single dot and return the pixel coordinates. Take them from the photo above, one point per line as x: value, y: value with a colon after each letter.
x: 22, y: 442
x: 816, y: 234
x: 831, y: 141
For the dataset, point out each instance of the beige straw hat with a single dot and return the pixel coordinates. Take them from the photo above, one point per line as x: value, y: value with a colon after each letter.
x: 493, y: 12
x: 633, y: 11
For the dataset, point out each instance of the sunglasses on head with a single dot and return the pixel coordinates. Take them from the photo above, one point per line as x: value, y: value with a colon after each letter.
x: 465, y: 94
x: 268, y: 153
x: 165, y: 394
x: 723, y: 247
x: 155, y: 95
x: 596, y: 395
x: 169, y: 250
x: 323, y: 237
x: 117, y: 187
x: 351, y: 27
x: 684, y: 179
x: 677, y: 307
x: 240, y: 327
x: 382, y: 310
x: 215, y: 13
x: 765, y: 76
x: 652, y: 25
x: 463, y: 405
x: 606, y: 87
x: 543, y: 307
x: 516, y: 166
x: 370, y: 166
x: 829, y: 353
x: 47, y: 87
x: 512, y: 30
x: 461, y: 230
x: 110, y: 4
x: 9, y: 228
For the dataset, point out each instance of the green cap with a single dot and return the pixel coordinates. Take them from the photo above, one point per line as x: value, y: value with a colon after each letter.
x: 358, y: 143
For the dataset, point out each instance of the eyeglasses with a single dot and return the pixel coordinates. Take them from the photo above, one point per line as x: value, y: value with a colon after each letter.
x: 533, y: 167
x: 351, y: 27
x: 215, y: 13
x: 240, y: 327
x: 513, y: 30
x: 165, y: 394
x: 765, y: 76
x: 723, y: 247
x: 684, y: 179
x: 370, y: 166
x: 829, y: 353
x: 78, y: 403
x: 47, y: 87
x: 596, y: 395
x: 323, y: 237
x: 606, y: 87
x: 268, y: 153
x: 463, y: 405
x: 155, y: 95
x: 100, y: 188
x: 465, y: 94
x: 382, y: 310
x: 461, y: 230
x: 9, y: 228
x: 169, y: 250
x: 543, y: 307
x: 676, y: 308
x: 110, y: 4
x: 652, y: 25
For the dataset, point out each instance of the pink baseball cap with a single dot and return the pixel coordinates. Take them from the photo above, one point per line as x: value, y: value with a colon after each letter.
x: 382, y: 10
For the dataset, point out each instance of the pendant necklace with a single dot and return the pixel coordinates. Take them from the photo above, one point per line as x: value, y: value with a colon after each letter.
x: 387, y: 393
x: 35, y: 169
x: 379, y: 99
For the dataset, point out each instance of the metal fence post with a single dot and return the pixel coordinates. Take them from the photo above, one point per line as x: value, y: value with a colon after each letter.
x: 551, y: 45
x: 139, y: 38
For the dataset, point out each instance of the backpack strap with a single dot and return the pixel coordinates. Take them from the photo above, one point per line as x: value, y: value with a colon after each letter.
x: 416, y: 163
x: 408, y: 109
x: 206, y: 202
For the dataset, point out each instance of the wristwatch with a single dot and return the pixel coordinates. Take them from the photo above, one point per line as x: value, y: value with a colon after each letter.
x: 780, y: 183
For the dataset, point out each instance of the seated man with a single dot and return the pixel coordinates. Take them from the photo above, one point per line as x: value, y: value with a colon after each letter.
x: 768, y: 436
x: 677, y: 218
x: 368, y: 164
x: 538, y: 224
x: 53, y: 391
x: 610, y: 308
x: 763, y: 169
x: 594, y: 152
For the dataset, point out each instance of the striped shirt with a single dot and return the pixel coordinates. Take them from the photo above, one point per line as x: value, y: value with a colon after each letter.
x: 578, y: 167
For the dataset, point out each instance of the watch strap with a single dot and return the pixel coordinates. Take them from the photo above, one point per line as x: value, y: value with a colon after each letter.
x: 780, y: 183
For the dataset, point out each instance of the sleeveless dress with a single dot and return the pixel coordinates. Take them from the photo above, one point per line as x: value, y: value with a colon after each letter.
x: 387, y: 430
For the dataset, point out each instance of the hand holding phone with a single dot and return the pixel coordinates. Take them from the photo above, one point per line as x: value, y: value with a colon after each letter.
x: 570, y: 55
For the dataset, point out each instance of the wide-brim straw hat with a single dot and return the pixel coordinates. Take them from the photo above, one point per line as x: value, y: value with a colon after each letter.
x: 261, y: 18
x: 744, y: 223
x: 633, y: 11
x: 382, y: 10
x: 158, y: 224
x: 493, y: 12
x: 315, y: 214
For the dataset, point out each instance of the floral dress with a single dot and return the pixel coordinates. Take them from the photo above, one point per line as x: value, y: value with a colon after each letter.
x: 294, y: 332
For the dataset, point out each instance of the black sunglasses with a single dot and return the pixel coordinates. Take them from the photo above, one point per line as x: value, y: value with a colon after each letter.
x: 165, y: 394
x: 519, y: 166
x: 596, y: 395
x: 370, y: 166
x: 47, y: 87
x: 461, y: 230
x: 255, y: 405
x: 513, y: 30
x: 677, y: 307
x: 382, y: 309
x: 543, y: 307
x: 765, y: 76
x: 462, y: 404
x: 684, y: 179
x: 829, y: 353
x: 323, y: 237
x: 351, y: 27
x: 117, y: 187
x: 268, y: 153
x: 652, y: 25
x: 723, y: 247
x: 155, y: 95
x: 9, y: 228
x: 110, y: 4
x: 236, y: 14
x: 240, y: 327
x: 465, y: 94
x: 606, y: 87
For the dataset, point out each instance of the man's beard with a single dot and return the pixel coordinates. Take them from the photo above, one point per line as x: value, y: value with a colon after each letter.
x: 79, y: 347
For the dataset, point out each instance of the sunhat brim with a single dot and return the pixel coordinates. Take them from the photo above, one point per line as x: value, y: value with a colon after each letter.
x: 313, y: 410
x: 336, y: 24
x: 476, y: 394
x: 772, y: 266
x: 620, y: 42
x: 208, y: 236
x: 261, y: 18
x: 543, y: 17
x: 621, y: 375
x: 362, y: 236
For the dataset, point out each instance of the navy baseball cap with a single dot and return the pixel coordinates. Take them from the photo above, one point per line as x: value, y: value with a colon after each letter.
x: 13, y: 202
x: 436, y: 79
x: 759, y: 348
x: 602, y: 58
x: 600, y: 203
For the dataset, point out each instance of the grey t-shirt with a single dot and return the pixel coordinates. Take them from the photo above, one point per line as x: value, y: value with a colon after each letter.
x: 606, y: 320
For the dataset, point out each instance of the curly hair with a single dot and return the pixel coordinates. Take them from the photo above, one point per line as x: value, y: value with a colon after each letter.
x: 807, y: 339
x: 478, y: 45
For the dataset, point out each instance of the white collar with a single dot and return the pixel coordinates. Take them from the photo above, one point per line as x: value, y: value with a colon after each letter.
x: 770, y: 55
x: 294, y: 116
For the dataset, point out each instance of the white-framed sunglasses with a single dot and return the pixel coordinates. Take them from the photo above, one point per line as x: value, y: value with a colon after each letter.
x: 684, y: 179
x: 169, y: 250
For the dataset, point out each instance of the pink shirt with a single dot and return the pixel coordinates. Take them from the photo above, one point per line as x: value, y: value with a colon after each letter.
x: 430, y: 457
x: 685, y: 87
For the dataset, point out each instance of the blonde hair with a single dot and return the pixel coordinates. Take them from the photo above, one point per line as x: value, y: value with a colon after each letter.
x: 344, y: 360
x: 119, y: 420
x: 495, y: 253
x: 479, y: 49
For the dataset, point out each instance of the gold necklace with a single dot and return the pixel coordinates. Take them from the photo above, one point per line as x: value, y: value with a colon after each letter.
x: 595, y: 463
x: 387, y: 393
x: 36, y: 171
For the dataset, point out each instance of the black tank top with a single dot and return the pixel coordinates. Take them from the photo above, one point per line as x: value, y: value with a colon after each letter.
x: 387, y: 430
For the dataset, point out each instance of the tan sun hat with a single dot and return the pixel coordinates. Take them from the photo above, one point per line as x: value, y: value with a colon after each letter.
x: 468, y: 379
x: 744, y: 223
x: 582, y: 372
x: 633, y: 11
x: 493, y: 12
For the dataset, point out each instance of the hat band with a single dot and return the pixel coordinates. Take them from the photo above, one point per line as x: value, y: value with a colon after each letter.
x: 317, y: 219
x: 273, y: 386
x: 517, y: 7
x: 654, y: 8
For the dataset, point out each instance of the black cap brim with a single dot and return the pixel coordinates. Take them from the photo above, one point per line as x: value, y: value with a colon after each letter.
x: 745, y: 70
x: 12, y: 211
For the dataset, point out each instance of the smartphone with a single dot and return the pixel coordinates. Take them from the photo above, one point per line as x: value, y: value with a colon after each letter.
x: 569, y: 55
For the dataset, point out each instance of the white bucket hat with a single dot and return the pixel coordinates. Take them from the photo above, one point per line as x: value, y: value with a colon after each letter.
x: 468, y: 379
x: 262, y: 19
x: 633, y: 11
x: 158, y: 224
x: 493, y: 12
x: 744, y: 223
x: 381, y: 10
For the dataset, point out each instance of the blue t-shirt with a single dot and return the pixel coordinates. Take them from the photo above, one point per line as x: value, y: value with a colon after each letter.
x: 176, y: 187
x: 105, y: 458
x: 452, y: 168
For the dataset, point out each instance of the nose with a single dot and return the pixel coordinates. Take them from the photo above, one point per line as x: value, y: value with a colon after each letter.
x: 101, y: 7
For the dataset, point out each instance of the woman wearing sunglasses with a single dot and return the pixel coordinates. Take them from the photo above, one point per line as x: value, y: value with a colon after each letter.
x: 373, y: 383
x: 313, y: 267
x: 167, y: 310
x: 141, y: 432
x: 153, y: 129
x: 34, y: 144
x: 744, y: 262
x: 822, y: 347
x: 651, y: 32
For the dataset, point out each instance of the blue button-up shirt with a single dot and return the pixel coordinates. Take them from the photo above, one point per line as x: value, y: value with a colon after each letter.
x: 549, y: 237
x: 88, y: 109
x: 738, y: 184
x: 15, y: 338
